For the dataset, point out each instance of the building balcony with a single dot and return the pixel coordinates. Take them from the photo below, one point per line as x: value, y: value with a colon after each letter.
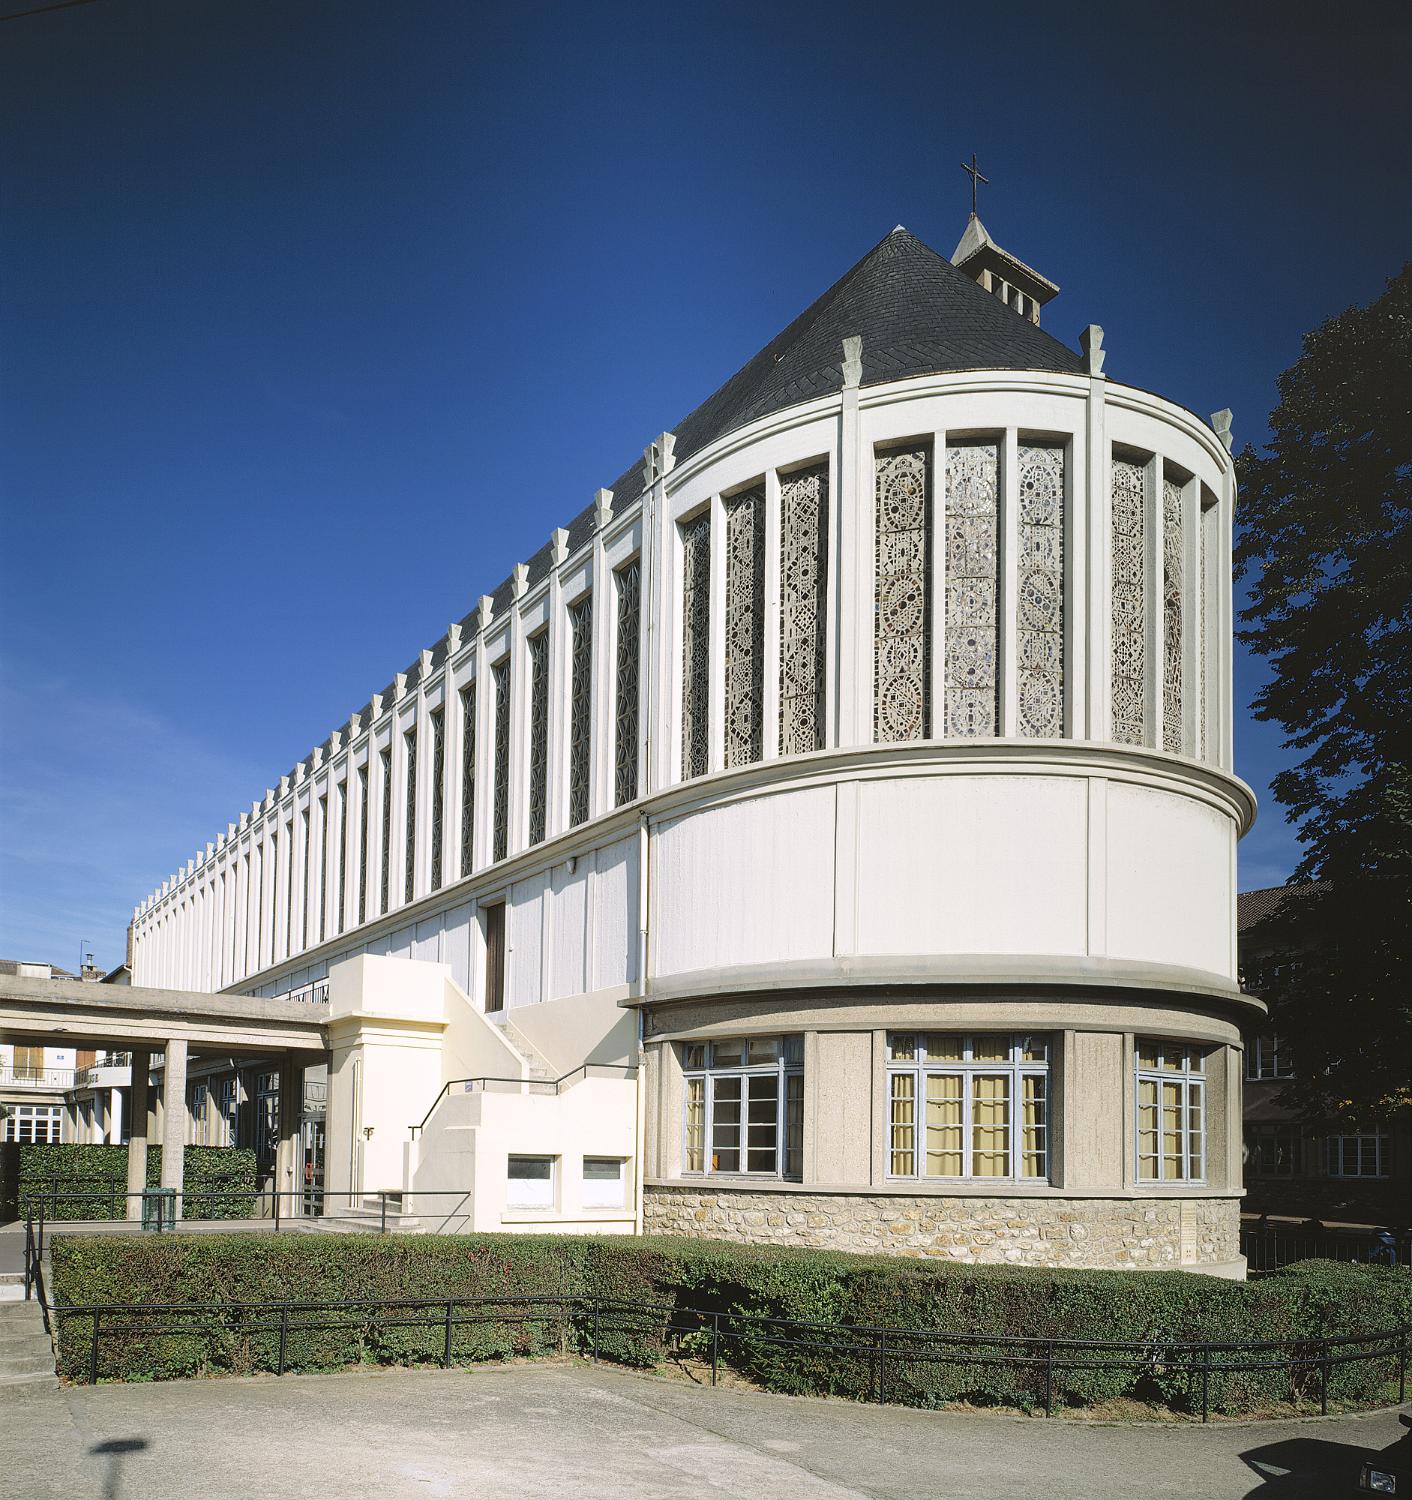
x: 49, y: 1080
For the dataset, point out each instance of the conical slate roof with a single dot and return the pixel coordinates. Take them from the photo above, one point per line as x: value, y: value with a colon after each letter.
x: 917, y: 315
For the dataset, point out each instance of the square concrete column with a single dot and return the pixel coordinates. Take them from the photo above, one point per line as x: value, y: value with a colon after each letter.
x: 174, y: 1117
x: 288, y: 1176
x: 137, y: 1134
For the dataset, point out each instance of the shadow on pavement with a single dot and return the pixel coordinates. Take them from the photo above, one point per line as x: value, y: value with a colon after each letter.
x: 1302, y: 1467
x: 114, y: 1449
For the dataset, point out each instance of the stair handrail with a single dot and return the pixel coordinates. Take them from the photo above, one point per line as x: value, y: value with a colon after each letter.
x: 626, y: 1070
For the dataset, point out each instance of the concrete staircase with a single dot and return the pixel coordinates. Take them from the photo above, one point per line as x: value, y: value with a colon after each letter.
x: 26, y: 1352
x: 365, y: 1217
x: 539, y: 1069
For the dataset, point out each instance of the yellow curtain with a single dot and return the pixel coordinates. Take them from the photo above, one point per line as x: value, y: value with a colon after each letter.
x: 1195, y: 1127
x: 695, y: 1124
x: 1171, y: 1130
x: 1032, y: 1124
x: 904, y: 1134
x: 990, y: 1049
x: 943, y: 1046
x: 990, y: 1122
x: 945, y: 1157
x: 1147, y: 1128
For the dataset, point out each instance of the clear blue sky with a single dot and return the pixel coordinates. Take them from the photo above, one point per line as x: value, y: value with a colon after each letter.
x: 318, y: 316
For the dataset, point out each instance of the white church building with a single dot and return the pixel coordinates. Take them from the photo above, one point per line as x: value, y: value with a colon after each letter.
x: 827, y: 837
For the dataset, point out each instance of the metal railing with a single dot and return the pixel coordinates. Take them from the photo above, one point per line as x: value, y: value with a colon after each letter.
x: 490, y: 1084
x: 891, y: 1356
x: 447, y: 1209
x: 313, y: 993
x: 1268, y: 1246
x: 108, y: 1201
x: 37, y: 1078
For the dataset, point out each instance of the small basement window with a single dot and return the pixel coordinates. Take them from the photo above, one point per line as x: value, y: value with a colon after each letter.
x: 603, y: 1180
x: 530, y: 1182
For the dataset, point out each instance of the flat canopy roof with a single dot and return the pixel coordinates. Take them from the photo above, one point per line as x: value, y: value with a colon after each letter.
x: 65, y: 1013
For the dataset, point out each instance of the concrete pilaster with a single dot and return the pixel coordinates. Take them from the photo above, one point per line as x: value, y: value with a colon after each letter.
x: 174, y: 1117
x: 137, y: 1134
x: 291, y: 1101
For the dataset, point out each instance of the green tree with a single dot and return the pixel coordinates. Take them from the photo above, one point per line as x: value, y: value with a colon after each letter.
x: 1325, y: 543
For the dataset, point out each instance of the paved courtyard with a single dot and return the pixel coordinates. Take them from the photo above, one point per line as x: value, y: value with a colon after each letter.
x: 572, y: 1430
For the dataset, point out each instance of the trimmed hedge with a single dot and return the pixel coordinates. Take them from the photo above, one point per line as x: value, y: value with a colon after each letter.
x: 1314, y: 1300
x: 220, y: 1180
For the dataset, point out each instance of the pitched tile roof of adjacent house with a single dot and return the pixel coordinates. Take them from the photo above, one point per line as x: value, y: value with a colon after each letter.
x: 1253, y: 907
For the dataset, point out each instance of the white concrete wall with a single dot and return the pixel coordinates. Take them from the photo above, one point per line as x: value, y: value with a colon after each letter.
x: 466, y: 1147
x: 950, y: 852
x: 1015, y: 858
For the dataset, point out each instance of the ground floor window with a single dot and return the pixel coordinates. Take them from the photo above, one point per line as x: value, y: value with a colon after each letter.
x: 266, y: 1119
x: 1273, y: 1149
x: 200, y: 1123
x: 603, y: 1181
x: 1171, y: 1112
x: 34, y: 1124
x: 745, y: 1106
x: 1364, y: 1153
x: 230, y: 1108
x: 530, y: 1182
x: 967, y: 1106
x: 1265, y: 1057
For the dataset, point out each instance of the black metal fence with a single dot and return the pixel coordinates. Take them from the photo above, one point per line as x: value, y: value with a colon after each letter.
x: 443, y: 1210
x: 601, y: 1325
x: 1268, y: 1245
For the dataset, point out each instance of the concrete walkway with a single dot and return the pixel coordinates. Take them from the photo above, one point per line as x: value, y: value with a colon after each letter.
x: 575, y: 1430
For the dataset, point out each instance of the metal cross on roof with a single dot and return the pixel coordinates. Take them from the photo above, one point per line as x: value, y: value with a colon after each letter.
x: 974, y: 173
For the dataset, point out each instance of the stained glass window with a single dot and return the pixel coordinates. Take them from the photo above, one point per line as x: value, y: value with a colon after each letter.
x: 500, y: 832
x: 385, y: 767
x: 468, y: 776
x: 1206, y: 622
x: 902, y: 645
x: 362, y: 844
x: 625, y: 728
x: 409, y: 743
x: 580, y: 706
x: 1129, y: 607
x: 323, y: 865
x: 289, y: 863
x: 745, y: 627
x: 342, y: 850
x: 696, y: 646
x: 438, y: 792
x: 1173, y: 543
x: 1040, y: 598
x: 972, y: 523
x: 539, y: 734
x: 308, y: 846
x: 804, y: 522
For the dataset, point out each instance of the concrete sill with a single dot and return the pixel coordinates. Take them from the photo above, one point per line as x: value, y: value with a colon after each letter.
x: 1002, y: 1188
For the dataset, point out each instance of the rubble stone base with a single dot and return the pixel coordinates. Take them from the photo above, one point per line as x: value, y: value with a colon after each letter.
x: 1102, y: 1233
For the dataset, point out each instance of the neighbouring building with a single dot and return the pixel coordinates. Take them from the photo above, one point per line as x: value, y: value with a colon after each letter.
x: 1300, y: 1169
x: 35, y: 1082
x: 827, y: 837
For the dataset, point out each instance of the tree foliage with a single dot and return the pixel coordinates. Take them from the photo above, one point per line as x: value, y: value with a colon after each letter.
x: 1325, y: 544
